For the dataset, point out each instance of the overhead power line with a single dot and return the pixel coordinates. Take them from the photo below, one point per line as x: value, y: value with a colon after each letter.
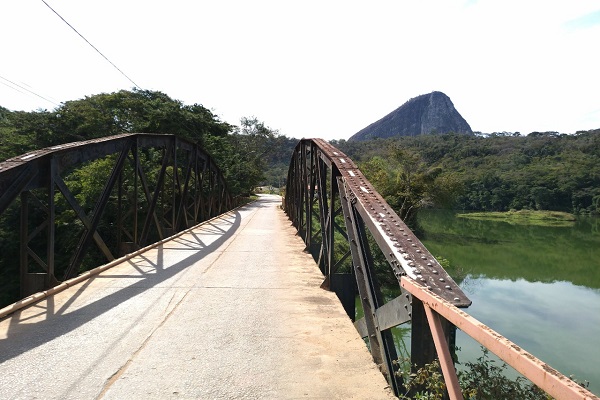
x: 93, y: 47
x: 24, y: 88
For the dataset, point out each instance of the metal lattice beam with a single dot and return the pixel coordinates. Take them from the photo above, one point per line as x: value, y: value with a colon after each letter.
x: 196, y: 187
x: 322, y: 175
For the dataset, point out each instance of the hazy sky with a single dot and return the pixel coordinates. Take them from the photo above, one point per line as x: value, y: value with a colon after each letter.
x: 315, y: 68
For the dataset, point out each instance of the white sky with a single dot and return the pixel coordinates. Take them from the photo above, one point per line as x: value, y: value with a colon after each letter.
x: 315, y: 68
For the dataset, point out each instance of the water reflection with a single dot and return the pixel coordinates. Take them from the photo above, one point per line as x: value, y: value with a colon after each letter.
x: 538, y: 286
x: 558, y: 322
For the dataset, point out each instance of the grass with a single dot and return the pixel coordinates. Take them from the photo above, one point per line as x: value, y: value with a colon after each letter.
x: 525, y: 217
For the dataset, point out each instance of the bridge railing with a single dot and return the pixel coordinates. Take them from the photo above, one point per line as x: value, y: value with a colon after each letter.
x: 324, y: 188
x: 148, y: 187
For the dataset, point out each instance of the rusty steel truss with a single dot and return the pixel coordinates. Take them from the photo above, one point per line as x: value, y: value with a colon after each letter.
x: 157, y: 185
x: 345, y: 223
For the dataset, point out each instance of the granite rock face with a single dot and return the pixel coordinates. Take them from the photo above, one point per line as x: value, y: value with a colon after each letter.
x: 431, y: 113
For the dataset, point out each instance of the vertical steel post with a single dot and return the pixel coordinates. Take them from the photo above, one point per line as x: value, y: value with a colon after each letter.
x: 136, y: 167
x: 381, y: 342
x: 120, y: 215
x: 23, y: 242
x: 422, y: 343
x: 174, y: 186
x: 422, y: 348
x: 197, y: 188
x: 331, y: 223
x: 50, y: 279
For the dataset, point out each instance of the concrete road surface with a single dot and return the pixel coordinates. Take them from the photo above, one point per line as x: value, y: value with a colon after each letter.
x: 231, y: 309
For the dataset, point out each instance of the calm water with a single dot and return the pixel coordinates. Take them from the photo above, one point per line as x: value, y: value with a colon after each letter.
x: 538, y: 286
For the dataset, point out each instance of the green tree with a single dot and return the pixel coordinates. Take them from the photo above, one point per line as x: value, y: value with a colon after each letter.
x: 408, y: 183
x: 250, y: 145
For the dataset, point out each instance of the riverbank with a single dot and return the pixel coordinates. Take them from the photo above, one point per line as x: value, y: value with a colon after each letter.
x: 525, y: 217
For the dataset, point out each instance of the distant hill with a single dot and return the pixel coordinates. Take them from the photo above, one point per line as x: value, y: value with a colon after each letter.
x: 425, y: 114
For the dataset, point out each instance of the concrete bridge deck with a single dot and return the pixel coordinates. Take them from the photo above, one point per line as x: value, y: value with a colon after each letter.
x: 230, y: 309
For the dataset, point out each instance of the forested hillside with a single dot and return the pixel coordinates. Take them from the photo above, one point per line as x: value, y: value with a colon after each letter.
x: 544, y: 170
x: 541, y: 171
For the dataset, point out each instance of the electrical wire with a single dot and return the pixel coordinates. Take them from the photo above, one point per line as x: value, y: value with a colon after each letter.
x: 27, y: 90
x: 93, y: 47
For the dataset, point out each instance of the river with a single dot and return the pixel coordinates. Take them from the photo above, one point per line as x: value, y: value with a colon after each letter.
x: 537, y: 286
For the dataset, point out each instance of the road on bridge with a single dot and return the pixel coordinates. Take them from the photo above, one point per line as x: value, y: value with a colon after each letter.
x: 229, y: 309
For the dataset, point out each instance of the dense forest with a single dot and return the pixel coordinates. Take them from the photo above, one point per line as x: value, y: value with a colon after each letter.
x: 245, y: 153
x: 497, y: 172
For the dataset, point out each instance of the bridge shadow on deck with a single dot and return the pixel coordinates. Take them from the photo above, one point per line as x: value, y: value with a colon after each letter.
x: 21, y: 339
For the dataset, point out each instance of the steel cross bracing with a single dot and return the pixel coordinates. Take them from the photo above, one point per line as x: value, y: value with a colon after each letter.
x: 164, y: 184
x: 323, y: 177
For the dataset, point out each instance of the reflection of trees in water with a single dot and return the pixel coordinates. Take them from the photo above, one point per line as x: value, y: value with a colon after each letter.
x: 471, y: 284
x: 497, y: 250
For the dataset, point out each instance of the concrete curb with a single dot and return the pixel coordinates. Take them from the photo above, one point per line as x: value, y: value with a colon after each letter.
x: 34, y: 298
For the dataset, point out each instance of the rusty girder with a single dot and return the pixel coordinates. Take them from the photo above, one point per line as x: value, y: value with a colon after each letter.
x: 323, y: 183
x: 429, y: 300
x: 164, y: 184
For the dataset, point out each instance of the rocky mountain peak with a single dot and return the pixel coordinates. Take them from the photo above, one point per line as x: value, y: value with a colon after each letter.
x: 431, y: 113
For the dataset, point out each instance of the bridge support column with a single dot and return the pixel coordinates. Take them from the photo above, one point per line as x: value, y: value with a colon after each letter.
x: 381, y: 340
x: 422, y: 345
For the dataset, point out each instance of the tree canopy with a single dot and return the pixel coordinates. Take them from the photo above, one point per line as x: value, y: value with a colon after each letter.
x: 242, y: 152
x: 541, y: 171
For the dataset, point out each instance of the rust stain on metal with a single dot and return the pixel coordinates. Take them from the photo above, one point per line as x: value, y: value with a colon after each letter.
x: 417, y: 271
x: 403, y: 250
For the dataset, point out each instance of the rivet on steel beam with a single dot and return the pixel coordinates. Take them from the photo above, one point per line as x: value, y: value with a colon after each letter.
x: 442, y: 280
x: 418, y: 251
x: 429, y: 287
x: 434, y: 271
x: 423, y: 280
x: 448, y: 287
x: 456, y: 299
x: 429, y: 264
x: 423, y: 258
